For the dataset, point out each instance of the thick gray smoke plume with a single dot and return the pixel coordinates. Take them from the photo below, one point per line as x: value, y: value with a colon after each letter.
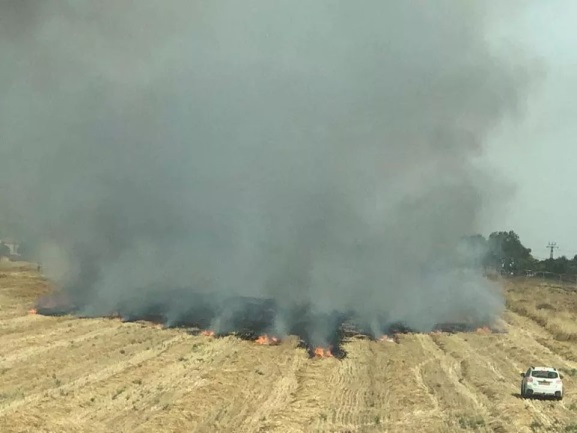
x: 307, y: 151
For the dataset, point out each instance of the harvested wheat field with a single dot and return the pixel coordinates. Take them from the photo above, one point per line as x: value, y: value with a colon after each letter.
x: 63, y: 374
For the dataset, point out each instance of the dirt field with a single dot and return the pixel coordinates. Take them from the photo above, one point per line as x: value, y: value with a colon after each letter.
x: 100, y: 375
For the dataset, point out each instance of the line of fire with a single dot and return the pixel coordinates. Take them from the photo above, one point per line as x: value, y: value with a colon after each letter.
x: 256, y: 320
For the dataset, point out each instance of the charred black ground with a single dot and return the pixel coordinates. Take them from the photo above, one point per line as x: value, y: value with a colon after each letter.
x: 248, y: 318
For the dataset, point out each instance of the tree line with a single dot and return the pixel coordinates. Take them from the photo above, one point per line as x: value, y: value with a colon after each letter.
x: 504, y: 251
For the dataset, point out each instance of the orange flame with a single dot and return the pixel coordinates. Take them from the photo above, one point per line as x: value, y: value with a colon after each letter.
x: 33, y: 311
x: 207, y: 333
x: 266, y: 340
x: 387, y: 339
x: 484, y: 330
x: 323, y: 353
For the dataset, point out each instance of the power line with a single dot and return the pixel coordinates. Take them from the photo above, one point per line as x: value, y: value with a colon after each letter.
x: 551, y: 247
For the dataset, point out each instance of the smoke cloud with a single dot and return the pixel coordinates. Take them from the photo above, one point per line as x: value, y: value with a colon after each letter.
x: 321, y: 154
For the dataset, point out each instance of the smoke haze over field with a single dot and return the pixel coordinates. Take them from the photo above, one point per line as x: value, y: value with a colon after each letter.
x: 316, y: 152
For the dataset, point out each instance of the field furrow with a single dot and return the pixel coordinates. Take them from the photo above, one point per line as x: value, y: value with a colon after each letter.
x: 64, y: 374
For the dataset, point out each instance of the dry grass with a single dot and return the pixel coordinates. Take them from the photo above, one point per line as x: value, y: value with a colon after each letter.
x: 62, y: 374
x: 554, y: 307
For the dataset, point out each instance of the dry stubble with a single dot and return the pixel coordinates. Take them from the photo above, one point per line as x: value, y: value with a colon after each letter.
x: 61, y: 374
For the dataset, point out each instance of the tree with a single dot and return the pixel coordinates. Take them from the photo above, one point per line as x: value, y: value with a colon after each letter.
x: 506, y: 251
x: 560, y: 265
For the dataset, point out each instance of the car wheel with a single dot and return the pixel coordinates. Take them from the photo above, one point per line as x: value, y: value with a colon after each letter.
x: 558, y: 396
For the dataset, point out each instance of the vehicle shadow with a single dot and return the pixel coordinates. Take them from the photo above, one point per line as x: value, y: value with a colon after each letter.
x: 534, y: 397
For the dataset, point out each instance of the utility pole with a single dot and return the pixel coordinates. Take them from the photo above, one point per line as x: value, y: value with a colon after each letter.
x: 551, y: 247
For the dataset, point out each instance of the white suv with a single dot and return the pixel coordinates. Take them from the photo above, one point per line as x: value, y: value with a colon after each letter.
x: 542, y: 381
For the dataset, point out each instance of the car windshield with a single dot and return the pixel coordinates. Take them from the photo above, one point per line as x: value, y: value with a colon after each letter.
x: 544, y: 374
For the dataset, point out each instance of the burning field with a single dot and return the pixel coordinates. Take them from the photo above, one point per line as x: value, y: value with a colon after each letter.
x: 276, y: 181
x: 256, y: 320
x: 223, y: 193
x: 64, y: 373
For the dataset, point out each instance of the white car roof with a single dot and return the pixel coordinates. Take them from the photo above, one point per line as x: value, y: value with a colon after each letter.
x: 544, y: 368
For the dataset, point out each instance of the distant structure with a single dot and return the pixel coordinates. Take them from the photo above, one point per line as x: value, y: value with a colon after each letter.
x: 551, y: 247
x: 12, y: 245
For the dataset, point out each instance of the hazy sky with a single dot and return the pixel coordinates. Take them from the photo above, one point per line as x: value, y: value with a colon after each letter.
x: 539, y: 155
